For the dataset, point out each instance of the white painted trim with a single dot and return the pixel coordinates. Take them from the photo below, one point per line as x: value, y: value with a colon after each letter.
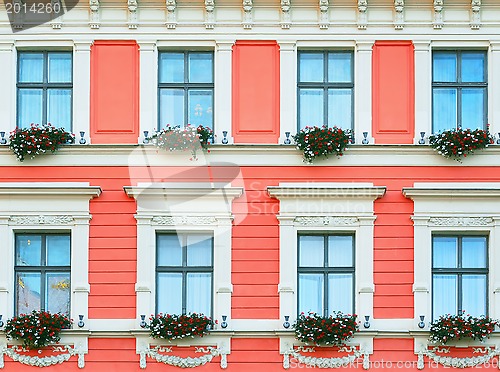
x: 494, y: 89
x: 363, y: 91
x: 7, y: 81
x: 148, y: 56
x: 81, y: 89
x: 288, y: 90
x: 327, y: 207
x: 453, y: 207
x: 423, y: 90
x: 183, y: 207
x: 223, y: 64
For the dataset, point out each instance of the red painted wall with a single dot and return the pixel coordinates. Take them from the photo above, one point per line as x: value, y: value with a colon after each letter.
x: 114, y: 92
x: 256, y: 87
x: 393, y: 92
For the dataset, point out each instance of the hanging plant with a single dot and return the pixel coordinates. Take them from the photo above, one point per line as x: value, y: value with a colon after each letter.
x: 315, y: 142
x: 456, y: 327
x: 333, y: 330
x: 36, y: 140
x: 174, y: 327
x: 183, y: 139
x: 37, y: 329
x: 458, y: 143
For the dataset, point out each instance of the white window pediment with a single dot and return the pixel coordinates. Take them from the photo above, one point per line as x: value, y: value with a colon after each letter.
x: 183, y: 207
x: 453, y: 208
x: 48, y: 207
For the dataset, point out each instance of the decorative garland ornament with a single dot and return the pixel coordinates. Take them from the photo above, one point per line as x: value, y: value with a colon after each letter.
x: 66, y: 353
x: 487, y: 354
x: 335, y: 362
x: 157, y: 353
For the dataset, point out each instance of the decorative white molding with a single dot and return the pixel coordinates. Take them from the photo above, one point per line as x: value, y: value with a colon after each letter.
x: 362, y: 14
x: 171, y: 14
x: 334, y: 362
x: 324, y: 21
x: 487, y: 354
x: 285, y: 14
x: 65, y: 352
x: 399, y: 20
x: 325, y: 221
x: 209, y: 14
x: 18, y: 17
x: 475, y: 14
x: 57, y: 22
x: 184, y: 220
x: 158, y: 353
x: 247, y: 14
x: 41, y: 220
x: 460, y: 221
x: 325, y: 190
x: 132, y: 14
x: 95, y: 20
x: 438, y: 14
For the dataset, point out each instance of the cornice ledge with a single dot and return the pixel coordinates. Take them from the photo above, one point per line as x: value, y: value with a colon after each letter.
x: 183, y: 190
x: 326, y: 191
x: 416, y: 192
x: 45, y: 189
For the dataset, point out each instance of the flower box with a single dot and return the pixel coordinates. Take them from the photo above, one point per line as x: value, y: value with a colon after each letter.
x: 183, y: 139
x: 174, y: 327
x: 450, y: 328
x: 458, y: 143
x: 315, y: 142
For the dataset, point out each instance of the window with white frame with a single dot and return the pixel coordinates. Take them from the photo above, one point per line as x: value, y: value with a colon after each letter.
x: 326, y: 273
x: 459, y: 90
x: 459, y: 275
x: 184, y: 273
x: 454, y: 224
x: 43, y: 272
x: 325, y: 88
x: 184, y: 230
x: 185, y: 88
x: 326, y: 231
x: 45, y: 88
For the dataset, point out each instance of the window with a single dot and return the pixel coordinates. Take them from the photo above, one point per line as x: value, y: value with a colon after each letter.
x: 325, y: 89
x: 184, y: 271
x: 459, y: 90
x: 186, y: 88
x: 42, y: 273
x: 326, y: 273
x: 44, y: 89
x: 459, y: 275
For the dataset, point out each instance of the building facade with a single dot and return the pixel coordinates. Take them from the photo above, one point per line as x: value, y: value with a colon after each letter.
x: 112, y: 229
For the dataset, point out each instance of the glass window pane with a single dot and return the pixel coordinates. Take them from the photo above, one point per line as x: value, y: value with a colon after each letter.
x: 311, y: 108
x: 29, y: 107
x: 340, y: 108
x: 199, y: 293
x: 199, y: 250
x: 169, y: 293
x: 444, y: 109
x: 200, y: 67
x: 28, y: 250
x: 311, y: 288
x: 340, y: 252
x: 340, y: 67
x: 474, y: 294
x: 311, y: 67
x: 200, y: 107
x: 473, y: 102
x: 59, y: 68
x: 28, y: 287
x: 444, y: 295
x: 473, y: 64
x: 340, y: 292
x: 474, y: 252
x: 31, y: 67
x: 444, y: 68
x: 58, y: 250
x: 59, y: 108
x: 171, y: 68
x: 445, y: 252
x: 171, y: 107
x: 57, y: 293
x: 169, y: 250
x: 311, y: 251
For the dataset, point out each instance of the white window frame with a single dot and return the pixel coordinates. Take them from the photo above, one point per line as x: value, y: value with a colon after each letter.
x: 454, y: 207
x: 329, y: 208
x: 48, y: 207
